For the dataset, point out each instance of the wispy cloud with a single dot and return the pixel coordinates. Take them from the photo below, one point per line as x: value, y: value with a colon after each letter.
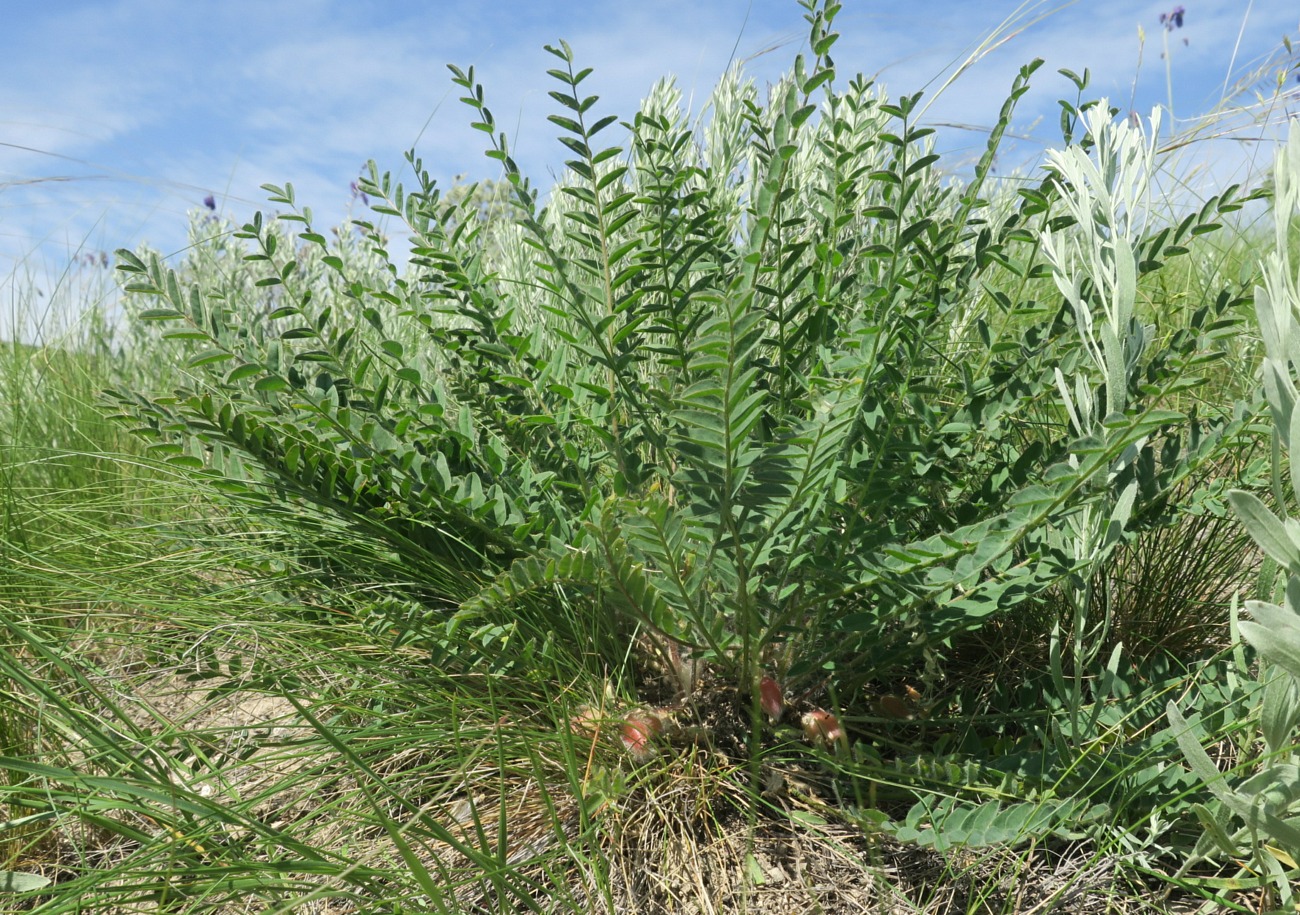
x: 121, y: 116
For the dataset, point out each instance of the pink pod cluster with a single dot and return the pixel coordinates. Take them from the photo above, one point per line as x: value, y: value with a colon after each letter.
x: 822, y: 729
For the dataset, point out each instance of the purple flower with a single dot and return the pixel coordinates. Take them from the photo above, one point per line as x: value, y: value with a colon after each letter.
x: 1174, y: 19
x: 210, y: 202
x: 357, y: 192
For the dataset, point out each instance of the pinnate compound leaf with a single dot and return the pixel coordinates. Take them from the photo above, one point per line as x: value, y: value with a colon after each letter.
x: 533, y: 573
x: 953, y: 824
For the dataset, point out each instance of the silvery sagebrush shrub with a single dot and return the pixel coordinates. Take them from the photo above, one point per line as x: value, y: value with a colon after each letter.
x: 1257, y: 818
x: 768, y: 390
x: 1105, y: 187
x: 1105, y: 190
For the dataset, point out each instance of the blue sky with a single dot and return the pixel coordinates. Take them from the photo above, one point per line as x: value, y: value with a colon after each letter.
x: 119, y: 117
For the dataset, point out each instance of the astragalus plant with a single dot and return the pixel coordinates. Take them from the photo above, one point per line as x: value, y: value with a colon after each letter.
x: 770, y: 394
x: 746, y: 420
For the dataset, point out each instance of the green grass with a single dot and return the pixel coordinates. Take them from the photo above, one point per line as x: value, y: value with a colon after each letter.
x: 330, y: 588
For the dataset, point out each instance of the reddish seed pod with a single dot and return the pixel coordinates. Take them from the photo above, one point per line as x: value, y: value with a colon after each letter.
x: 822, y: 729
x: 770, y: 698
x: 638, y: 732
x: 891, y: 706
